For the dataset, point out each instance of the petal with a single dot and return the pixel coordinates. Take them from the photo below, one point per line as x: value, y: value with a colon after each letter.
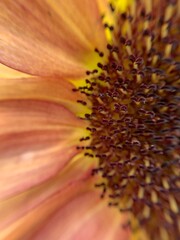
x: 75, y: 213
x: 28, y: 115
x: 50, y: 37
x: 84, y: 216
x: 17, y: 206
x: 6, y: 72
x: 38, y: 139
x: 48, y: 89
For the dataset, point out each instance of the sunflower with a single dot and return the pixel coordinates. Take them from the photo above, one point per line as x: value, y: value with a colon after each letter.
x: 89, y: 119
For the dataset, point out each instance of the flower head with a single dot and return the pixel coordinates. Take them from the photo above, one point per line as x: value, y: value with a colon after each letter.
x: 89, y: 100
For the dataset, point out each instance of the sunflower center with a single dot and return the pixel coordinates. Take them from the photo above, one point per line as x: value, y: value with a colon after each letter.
x: 134, y: 123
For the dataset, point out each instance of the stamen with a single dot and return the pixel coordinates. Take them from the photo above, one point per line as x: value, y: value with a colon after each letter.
x: 134, y: 121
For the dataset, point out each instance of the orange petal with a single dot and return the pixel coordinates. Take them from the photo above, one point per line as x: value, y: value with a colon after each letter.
x: 37, y: 139
x: 48, y: 89
x: 84, y: 216
x: 17, y: 206
x: 75, y: 213
x: 50, y: 37
x: 6, y: 72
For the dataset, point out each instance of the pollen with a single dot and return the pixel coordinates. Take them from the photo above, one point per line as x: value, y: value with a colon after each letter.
x: 134, y: 122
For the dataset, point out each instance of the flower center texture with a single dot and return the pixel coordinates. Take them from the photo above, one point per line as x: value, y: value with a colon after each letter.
x: 134, y: 120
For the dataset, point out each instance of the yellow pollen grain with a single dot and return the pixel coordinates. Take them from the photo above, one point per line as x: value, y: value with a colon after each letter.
x: 100, y: 100
x: 173, y: 204
x: 112, y: 172
x: 146, y: 212
x: 169, y: 12
x: 148, y: 6
x: 154, y: 59
x: 171, y: 68
x: 154, y: 197
x: 163, y: 233
x: 161, y: 91
x: 164, y: 30
x: 124, y: 182
x: 147, y: 163
x: 148, y: 179
x: 148, y: 43
x: 128, y: 49
x: 115, y: 56
x: 154, y: 78
x: 146, y: 91
x: 108, y: 34
x: 141, y: 193
x: 146, y: 24
x: 133, y: 8
x: 164, y: 109
x: 165, y: 183
x: 138, y: 78
x: 126, y: 29
x: 168, y: 217
x: 131, y: 173
x: 168, y: 50
x: 135, y: 65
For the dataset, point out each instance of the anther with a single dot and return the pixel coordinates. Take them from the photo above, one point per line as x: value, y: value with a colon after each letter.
x: 134, y: 120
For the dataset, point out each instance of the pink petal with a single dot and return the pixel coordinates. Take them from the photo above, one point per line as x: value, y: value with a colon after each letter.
x: 75, y: 213
x: 18, y: 206
x: 49, y: 38
x: 38, y: 138
x: 48, y: 89
x: 85, y: 216
x: 6, y: 72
